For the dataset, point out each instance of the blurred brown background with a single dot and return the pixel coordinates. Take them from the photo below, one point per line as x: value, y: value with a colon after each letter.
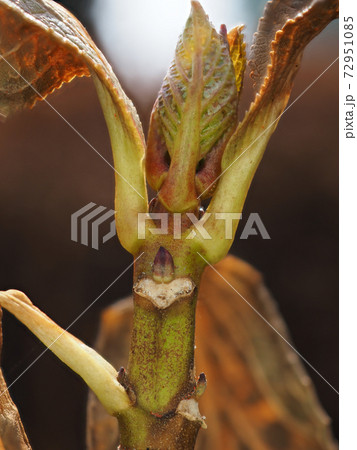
x: 47, y: 173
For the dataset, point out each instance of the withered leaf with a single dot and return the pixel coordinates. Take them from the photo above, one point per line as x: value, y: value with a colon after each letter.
x: 247, y: 145
x: 276, y: 13
x: 286, y: 52
x: 288, y: 46
x: 47, y: 46
x: 42, y: 45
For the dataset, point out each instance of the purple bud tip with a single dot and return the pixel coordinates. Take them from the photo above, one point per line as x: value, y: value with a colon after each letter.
x: 122, y: 376
x: 202, y: 379
x: 223, y: 30
x: 163, y: 270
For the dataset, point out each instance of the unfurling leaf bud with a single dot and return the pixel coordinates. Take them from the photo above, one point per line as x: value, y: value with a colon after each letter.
x: 194, y: 115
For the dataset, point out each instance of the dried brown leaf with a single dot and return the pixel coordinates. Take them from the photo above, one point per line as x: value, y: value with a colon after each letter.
x: 276, y: 13
x: 43, y: 44
x: 288, y: 46
x: 247, y: 145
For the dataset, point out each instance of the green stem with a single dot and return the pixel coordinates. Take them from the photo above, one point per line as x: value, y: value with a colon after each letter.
x: 161, y: 354
x: 161, y: 360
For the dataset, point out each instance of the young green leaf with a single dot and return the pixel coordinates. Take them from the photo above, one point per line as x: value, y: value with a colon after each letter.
x: 194, y: 113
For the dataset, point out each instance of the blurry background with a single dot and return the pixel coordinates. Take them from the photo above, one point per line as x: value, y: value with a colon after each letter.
x: 47, y: 173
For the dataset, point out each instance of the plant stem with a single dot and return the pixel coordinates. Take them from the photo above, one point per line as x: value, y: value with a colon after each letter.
x: 161, y: 360
x: 161, y: 353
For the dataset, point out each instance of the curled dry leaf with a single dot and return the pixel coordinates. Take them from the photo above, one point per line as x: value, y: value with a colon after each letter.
x: 12, y: 433
x: 99, y: 375
x: 247, y: 145
x: 276, y: 14
x: 286, y: 52
x: 258, y: 394
x: 53, y: 49
x: 288, y: 46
